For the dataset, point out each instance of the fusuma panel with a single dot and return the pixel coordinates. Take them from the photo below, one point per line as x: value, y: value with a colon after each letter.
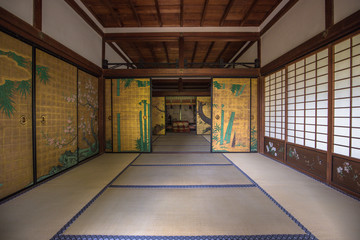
x: 131, y: 115
x: 56, y: 115
x: 108, y: 117
x: 88, y: 112
x: 203, y: 115
x: 16, y: 161
x: 158, y: 115
x: 254, y: 116
x: 231, y: 115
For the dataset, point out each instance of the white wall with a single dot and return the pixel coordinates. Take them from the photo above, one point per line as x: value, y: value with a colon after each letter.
x: 250, y: 55
x: 344, y: 8
x: 63, y: 24
x: 20, y: 8
x: 302, y: 22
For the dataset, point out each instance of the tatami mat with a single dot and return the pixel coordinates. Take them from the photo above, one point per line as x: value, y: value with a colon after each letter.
x: 188, y: 148
x: 190, y: 158
x: 181, y: 175
x: 183, y: 212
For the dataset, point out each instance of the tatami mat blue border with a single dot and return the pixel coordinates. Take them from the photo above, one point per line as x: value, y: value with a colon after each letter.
x: 181, y: 165
x: 185, y: 186
x: 308, y: 235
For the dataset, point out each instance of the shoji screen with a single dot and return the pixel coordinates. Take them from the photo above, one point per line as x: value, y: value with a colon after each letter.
x: 308, y: 101
x: 16, y: 152
x: 347, y: 97
x: 275, y: 105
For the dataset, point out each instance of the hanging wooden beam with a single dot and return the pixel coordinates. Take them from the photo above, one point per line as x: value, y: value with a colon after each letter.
x: 243, y: 51
x: 188, y: 36
x: 166, y: 52
x: 158, y: 13
x: 135, y: 13
x: 194, y: 53
x: 118, y: 51
x: 208, y: 51
x: 84, y: 16
x: 113, y: 13
x: 182, y: 72
x: 181, y: 52
x: 37, y: 18
x: 222, y: 51
x: 204, y: 12
x: 329, y: 13
x: 226, y: 12
x: 181, y: 13
x: 247, y: 13
x: 279, y: 15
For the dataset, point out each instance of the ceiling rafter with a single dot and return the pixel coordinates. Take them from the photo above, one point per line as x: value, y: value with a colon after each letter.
x: 243, y: 51
x: 194, y: 53
x: 131, y: 3
x: 226, y: 12
x: 249, y: 10
x: 158, y: 13
x: 113, y: 13
x: 181, y: 13
x: 112, y: 45
x: 204, y: 12
x: 153, y: 54
x: 141, y: 56
x: 208, y: 51
x: 166, y: 52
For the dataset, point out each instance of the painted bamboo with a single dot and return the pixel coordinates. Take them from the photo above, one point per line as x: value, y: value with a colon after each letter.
x: 141, y: 132
x: 222, y: 127
x: 229, y: 128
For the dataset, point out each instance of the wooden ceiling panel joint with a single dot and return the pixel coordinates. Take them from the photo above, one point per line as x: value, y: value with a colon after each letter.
x: 133, y: 9
x: 226, y: 12
x: 203, y: 14
x: 158, y: 13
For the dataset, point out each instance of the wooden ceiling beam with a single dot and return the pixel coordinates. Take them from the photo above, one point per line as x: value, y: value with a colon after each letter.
x: 204, y: 12
x: 113, y: 13
x: 135, y: 13
x: 37, y: 18
x: 226, y: 12
x: 158, y: 13
x: 243, y: 51
x: 182, y: 72
x: 247, y: 13
x: 166, y: 52
x: 184, y: 93
x: 188, y: 36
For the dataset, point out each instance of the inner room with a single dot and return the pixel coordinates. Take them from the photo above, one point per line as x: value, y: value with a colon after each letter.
x: 179, y: 120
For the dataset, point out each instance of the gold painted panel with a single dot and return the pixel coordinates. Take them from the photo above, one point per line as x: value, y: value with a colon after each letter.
x: 88, y: 112
x: 158, y: 115
x: 16, y: 161
x: 108, y: 117
x: 254, y: 115
x: 231, y: 115
x: 56, y: 115
x: 203, y: 115
x: 131, y: 115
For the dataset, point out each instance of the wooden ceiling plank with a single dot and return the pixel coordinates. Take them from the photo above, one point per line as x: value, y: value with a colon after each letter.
x: 226, y: 12
x: 204, y: 12
x: 166, y: 52
x: 158, y: 13
x: 222, y: 51
x: 141, y: 56
x: 248, y: 11
x: 135, y: 13
x: 113, y: 13
x: 181, y: 52
x: 153, y: 54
